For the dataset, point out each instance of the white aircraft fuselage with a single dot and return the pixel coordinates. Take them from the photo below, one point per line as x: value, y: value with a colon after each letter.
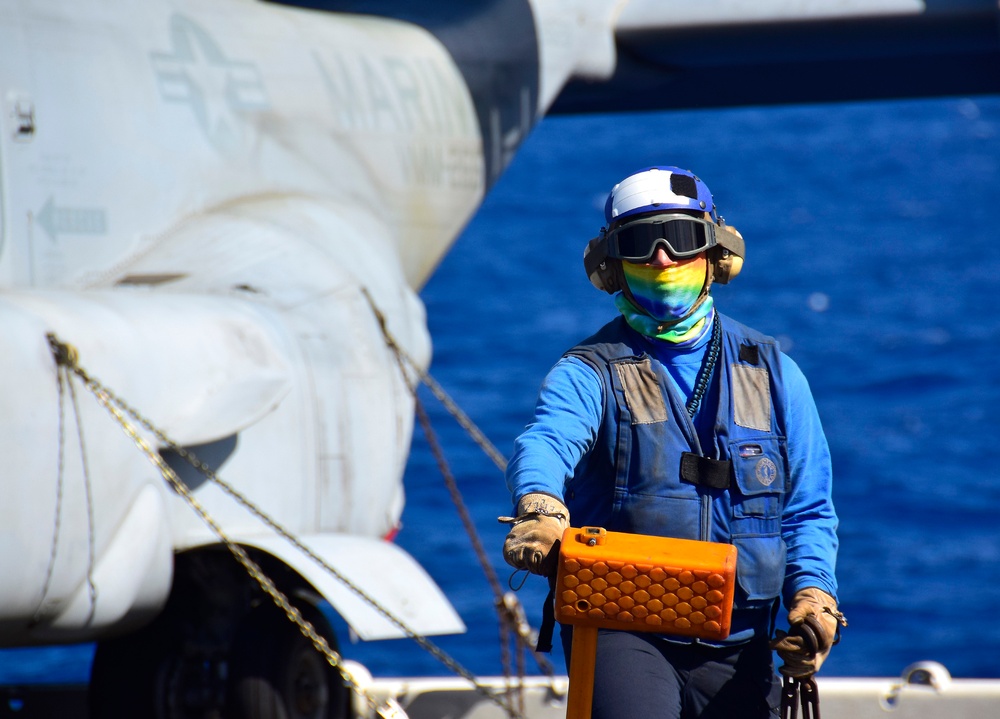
x: 197, y: 197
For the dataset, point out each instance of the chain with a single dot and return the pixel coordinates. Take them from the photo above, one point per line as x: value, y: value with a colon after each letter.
x: 66, y: 356
x: 477, y: 545
x: 510, y: 612
x: 252, y: 568
x: 437, y: 390
x: 61, y: 379
x: 91, y: 587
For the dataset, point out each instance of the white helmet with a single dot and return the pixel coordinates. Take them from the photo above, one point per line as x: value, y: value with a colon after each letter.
x: 658, y: 189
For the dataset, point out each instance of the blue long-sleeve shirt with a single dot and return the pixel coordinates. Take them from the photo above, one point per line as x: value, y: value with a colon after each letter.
x: 568, y: 416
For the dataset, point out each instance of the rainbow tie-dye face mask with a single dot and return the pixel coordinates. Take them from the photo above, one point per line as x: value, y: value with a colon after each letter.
x: 664, y: 300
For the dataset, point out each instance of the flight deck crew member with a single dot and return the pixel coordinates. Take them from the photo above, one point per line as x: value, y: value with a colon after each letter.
x: 675, y: 420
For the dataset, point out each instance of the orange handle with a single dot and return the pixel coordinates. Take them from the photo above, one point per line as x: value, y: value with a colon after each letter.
x: 581, y: 672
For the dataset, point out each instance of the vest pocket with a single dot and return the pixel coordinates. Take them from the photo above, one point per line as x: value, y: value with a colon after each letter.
x: 759, y: 471
x: 641, y: 389
x: 757, y: 498
x: 760, y: 566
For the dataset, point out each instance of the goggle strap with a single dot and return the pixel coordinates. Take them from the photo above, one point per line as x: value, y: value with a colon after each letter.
x: 727, y: 237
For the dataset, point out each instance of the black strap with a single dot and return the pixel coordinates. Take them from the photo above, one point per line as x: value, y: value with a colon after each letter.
x: 705, y: 472
x: 773, y: 622
x: 545, y: 631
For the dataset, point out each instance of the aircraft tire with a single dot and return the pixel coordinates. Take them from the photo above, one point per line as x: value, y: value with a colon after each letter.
x: 133, y: 675
x: 276, y: 673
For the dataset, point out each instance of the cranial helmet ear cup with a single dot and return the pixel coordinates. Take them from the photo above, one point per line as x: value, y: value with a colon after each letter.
x: 601, y: 269
x: 728, y: 254
x: 726, y: 266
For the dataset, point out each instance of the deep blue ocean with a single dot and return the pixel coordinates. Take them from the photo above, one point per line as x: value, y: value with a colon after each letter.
x: 873, y: 254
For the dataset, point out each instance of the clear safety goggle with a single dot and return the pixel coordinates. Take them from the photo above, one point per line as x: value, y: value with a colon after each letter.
x: 683, y: 236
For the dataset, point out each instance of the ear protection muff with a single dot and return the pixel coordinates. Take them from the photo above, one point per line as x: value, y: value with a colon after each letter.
x: 603, y: 272
x: 726, y: 257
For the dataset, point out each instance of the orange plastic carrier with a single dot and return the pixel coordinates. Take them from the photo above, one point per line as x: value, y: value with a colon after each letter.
x: 636, y: 582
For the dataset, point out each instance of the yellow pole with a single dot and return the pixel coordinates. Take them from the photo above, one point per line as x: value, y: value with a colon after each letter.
x: 581, y: 672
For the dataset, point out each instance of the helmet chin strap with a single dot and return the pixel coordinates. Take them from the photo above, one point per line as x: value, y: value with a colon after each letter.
x: 667, y: 324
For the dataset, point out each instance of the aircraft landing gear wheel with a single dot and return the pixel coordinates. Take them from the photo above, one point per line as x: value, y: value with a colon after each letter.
x: 135, y: 675
x: 276, y: 673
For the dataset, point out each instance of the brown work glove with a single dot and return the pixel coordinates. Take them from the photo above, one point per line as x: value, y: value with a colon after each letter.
x: 539, y: 524
x: 813, y: 621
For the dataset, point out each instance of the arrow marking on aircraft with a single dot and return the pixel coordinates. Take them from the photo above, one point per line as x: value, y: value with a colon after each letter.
x: 71, y: 220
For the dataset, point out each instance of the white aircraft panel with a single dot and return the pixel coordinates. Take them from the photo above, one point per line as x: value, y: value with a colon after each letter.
x: 382, y: 570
